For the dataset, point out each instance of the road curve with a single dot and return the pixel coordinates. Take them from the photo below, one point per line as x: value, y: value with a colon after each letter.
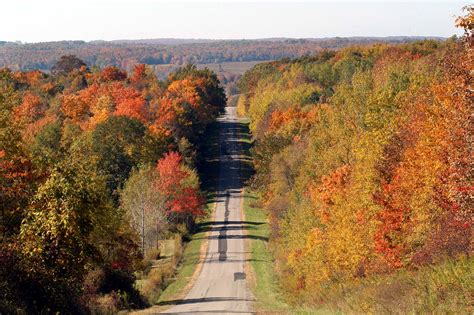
x: 221, y: 287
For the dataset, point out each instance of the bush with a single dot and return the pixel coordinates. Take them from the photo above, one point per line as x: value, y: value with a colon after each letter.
x: 153, y: 254
x: 242, y: 106
x: 156, y: 281
x: 26, y: 288
x: 178, y: 250
x: 105, y: 304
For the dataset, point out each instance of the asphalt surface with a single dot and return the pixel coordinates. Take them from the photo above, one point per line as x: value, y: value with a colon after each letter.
x: 221, y: 287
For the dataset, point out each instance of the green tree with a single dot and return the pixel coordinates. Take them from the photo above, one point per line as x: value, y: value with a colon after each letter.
x: 117, y: 144
x: 55, y: 235
x: 46, y: 149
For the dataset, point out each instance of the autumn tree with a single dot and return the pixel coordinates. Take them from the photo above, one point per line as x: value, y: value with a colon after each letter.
x: 361, y: 161
x: 47, y: 149
x: 67, y: 64
x: 71, y: 203
x: 467, y: 23
x: 180, y: 186
x: 17, y: 174
x: 192, y: 99
x: 56, y: 231
x: 112, y: 73
x: 117, y: 144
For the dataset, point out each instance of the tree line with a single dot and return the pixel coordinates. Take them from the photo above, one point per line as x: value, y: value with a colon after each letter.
x: 126, y: 54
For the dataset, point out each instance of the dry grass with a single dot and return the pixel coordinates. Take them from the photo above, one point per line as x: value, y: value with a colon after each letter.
x: 445, y: 288
x: 160, y: 269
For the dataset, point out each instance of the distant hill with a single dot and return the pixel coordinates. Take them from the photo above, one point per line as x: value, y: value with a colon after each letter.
x: 170, y: 51
x: 164, y: 41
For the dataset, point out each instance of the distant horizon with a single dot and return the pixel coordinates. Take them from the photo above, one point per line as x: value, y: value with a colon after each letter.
x: 30, y: 21
x: 233, y: 39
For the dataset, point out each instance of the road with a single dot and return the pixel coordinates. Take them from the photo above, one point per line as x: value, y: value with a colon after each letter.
x: 221, y: 287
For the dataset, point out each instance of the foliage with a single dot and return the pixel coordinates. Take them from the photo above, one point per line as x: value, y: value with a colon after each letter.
x: 180, y: 186
x: 67, y: 64
x: 117, y: 143
x: 361, y: 159
x: 76, y: 149
x: 56, y: 234
x: 161, y: 53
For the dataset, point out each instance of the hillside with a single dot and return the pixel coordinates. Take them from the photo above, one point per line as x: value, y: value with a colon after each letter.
x: 362, y: 165
x: 127, y: 53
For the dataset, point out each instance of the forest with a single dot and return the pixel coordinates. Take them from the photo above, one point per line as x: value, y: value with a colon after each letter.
x: 95, y: 167
x: 126, y: 54
x: 363, y: 160
x: 164, y: 56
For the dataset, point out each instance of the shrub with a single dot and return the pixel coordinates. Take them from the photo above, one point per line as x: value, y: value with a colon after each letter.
x: 107, y: 304
x: 156, y: 281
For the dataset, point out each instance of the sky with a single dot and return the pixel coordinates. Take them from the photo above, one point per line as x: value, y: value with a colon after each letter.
x: 51, y: 20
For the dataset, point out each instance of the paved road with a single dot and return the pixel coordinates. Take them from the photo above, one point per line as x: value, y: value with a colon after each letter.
x: 221, y: 287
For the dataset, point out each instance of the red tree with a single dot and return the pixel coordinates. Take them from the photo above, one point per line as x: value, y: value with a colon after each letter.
x: 174, y: 182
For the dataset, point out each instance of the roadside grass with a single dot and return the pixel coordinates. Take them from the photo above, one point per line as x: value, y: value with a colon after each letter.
x: 266, y: 292
x: 189, y: 261
x: 268, y: 296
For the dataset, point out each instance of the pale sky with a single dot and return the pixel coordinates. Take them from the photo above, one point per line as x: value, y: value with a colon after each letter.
x: 50, y: 20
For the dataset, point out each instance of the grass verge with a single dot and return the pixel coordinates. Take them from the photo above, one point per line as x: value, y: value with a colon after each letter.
x: 267, y: 295
x: 186, y: 269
